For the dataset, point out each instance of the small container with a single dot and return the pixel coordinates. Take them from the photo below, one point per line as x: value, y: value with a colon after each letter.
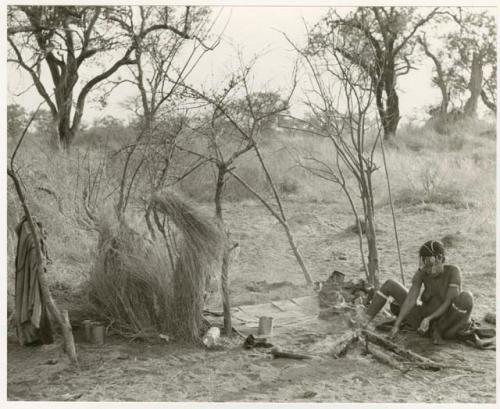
x: 98, y: 333
x: 337, y: 277
x: 211, y: 337
x: 87, y: 326
x: 265, y: 326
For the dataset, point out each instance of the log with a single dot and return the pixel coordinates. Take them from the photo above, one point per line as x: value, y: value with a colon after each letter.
x: 278, y: 353
x: 381, y: 356
x: 437, y: 366
x: 340, y: 346
x: 413, y: 359
x: 391, y: 346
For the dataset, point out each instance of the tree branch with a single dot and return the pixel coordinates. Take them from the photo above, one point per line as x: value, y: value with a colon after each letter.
x: 417, y: 26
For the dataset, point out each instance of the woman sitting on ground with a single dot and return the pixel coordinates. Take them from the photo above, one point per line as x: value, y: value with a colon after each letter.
x: 444, y: 310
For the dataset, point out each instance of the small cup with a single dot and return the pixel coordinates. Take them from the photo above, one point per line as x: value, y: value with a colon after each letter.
x: 97, y: 334
x: 265, y: 326
x: 87, y: 326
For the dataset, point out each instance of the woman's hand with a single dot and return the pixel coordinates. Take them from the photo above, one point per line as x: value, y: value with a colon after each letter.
x: 424, y: 325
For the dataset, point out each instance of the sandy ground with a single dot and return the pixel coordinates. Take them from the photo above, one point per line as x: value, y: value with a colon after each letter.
x: 132, y: 371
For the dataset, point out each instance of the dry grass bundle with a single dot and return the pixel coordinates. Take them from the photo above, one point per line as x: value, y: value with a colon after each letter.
x: 200, y: 247
x: 132, y: 285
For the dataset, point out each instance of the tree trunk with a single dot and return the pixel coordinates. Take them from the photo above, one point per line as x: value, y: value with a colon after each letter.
x: 475, y: 86
x: 226, y: 304
x: 371, y: 237
x: 391, y: 117
x: 388, y: 111
x: 66, y: 136
x: 439, y: 80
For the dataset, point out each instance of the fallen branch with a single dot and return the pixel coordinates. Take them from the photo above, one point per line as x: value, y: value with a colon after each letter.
x: 278, y: 353
x: 391, y: 346
x: 412, y: 359
x: 340, y: 346
x: 385, y: 358
x: 437, y: 366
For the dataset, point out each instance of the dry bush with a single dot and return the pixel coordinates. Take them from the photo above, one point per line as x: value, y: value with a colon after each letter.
x: 51, y: 182
x: 280, y: 152
x: 437, y: 177
x: 132, y: 285
x: 465, y: 135
x: 200, y: 246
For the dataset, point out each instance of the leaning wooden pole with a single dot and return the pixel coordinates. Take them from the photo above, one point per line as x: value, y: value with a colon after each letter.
x: 283, y: 223
x: 62, y: 318
x: 226, y: 303
x: 392, y: 211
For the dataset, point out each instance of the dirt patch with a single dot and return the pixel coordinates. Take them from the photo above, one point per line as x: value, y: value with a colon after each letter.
x: 124, y: 371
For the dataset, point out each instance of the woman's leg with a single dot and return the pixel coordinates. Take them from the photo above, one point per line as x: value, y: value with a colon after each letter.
x: 390, y: 288
x: 455, y: 319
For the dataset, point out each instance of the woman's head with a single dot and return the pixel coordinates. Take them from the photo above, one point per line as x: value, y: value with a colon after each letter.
x: 431, y: 257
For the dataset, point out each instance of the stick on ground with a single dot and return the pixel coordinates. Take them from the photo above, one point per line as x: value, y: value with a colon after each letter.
x: 341, y: 345
x: 411, y: 358
x: 380, y: 355
x: 391, y: 346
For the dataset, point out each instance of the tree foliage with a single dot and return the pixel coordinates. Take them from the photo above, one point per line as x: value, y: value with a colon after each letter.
x: 379, y: 40
x: 471, y: 57
x: 16, y: 119
x: 464, y: 60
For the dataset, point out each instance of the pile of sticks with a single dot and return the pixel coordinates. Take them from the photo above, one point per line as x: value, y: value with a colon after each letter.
x: 382, y: 349
x: 387, y: 352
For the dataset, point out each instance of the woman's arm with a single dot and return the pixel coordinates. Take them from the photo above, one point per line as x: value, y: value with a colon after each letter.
x: 409, y: 302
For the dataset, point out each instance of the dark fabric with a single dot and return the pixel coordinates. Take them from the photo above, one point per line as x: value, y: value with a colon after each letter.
x: 33, y: 324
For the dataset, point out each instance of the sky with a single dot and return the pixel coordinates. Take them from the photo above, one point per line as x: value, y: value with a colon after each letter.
x: 254, y: 30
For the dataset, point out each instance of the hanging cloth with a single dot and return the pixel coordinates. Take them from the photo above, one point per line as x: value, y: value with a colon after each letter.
x: 33, y: 324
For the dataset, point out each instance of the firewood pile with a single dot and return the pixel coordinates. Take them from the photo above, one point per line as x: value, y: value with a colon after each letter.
x: 390, y: 353
x: 381, y: 348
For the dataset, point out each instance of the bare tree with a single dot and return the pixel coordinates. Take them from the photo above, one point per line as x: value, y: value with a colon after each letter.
x: 237, y: 117
x: 67, y: 39
x: 472, y: 59
x: 440, y: 79
x: 339, y: 101
x: 379, y: 40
